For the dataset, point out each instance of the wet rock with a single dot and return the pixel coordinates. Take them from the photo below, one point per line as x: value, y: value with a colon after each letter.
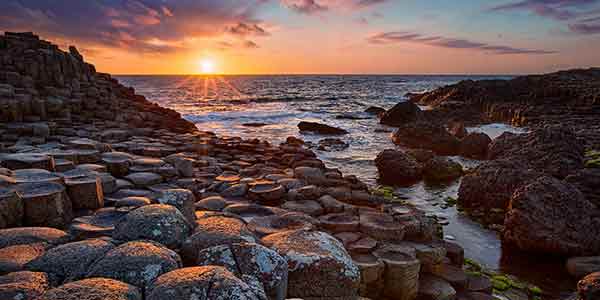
x: 397, y: 167
x: 27, y: 161
x: 14, y: 258
x: 203, y: 283
x: 310, y: 175
x: 374, y: 110
x: 381, y: 227
x: 587, y: 181
x: 11, y: 208
x: 434, y: 288
x: 427, y: 136
x: 249, y: 259
x: 138, y: 263
x: 309, y: 207
x: 547, y: 216
x: 452, y: 274
x: 45, y: 204
x: 458, y: 129
x: 160, y: 223
x: 401, y: 113
x: 319, y: 266
x: 214, y: 231
x: 100, y: 224
x: 401, y: 276
x: 69, y: 262
x: 182, y: 199
x: 85, y: 192
x: 578, y: 267
x: 475, y: 145
x: 93, y: 288
x: 589, y: 287
x: 455, y: 253
x: 332, y: 144
x: 320, y: 128
x: 439, y: 169
x: 23, y: 285
x: 31, y: 235
x: 144, y: 179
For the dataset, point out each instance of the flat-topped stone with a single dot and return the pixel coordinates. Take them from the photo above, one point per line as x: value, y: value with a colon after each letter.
x: 144, y: 179
x: 27, y: 161
x: 11, y: 208
x: 46, y: 204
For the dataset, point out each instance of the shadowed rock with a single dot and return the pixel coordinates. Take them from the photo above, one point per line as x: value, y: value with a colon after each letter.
x: 30, y: 235
x: 320, y: 128
x: 94, y: 289
x: 23, y: 285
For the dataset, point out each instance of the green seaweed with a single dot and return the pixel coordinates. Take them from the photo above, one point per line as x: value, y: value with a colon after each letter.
x: 593, y: 154
x: 535, y: 290
x: 499, y: 284
x: 473, y: 265
x: 594, y: 163
x: 386, y: 192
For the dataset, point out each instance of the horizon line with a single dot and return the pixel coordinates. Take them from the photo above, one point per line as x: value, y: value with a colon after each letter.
x: 321, y: 74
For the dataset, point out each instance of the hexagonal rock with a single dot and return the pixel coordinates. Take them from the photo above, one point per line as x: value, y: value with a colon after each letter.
x: 380, y: 226
x: 46, y: 204
x: 85, y: 192
x: 137, y: 263
x: 100, y: 224
x: 183, y: 165
x: 309, y: 207
x: 342, y: 222
x: 93, y: 289
x: 28, y: 161
x: 267, y: 193
x: 117, y: 163
x: 14, y: 258
x: 401, y: 275
x: 277, y: 223
x: 214, y: 231
x: 157, y: 222
x: 434, y: 288
x: 319, y: 266
x: 23, y: 285
x: 371, y: 275
x: 31, y: 235
x: 249, y: 211
x: 11, y: 208
x: 144, y: 179
x: 254, y: 260
x: 182, y: 199
x: 70, y: 261
x: 204, y: 283
x: 35, y: 175
x: 212, y: 203
x: 133, y: 201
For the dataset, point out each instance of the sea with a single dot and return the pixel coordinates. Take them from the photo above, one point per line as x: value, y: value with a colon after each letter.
x: 269, y: 107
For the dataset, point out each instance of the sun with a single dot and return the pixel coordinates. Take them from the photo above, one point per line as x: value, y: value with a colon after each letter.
x: 207, y: 66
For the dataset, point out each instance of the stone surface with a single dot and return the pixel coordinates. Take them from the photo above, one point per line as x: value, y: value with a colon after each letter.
x: 433, y: 288
x: 23, y: 285
x: 589, y: 287
x: 401, y: 277
x: 398, y: 167
x: 46, y: 204
x: 578, y: 267
x: 427, y: 135
x: 439, y: 169
x: 11, y: 208
x: 85, y: 192
x: 14, y: 258
x: 31, y: 235
x: 94, y: 289
x: 320, y: 128
x: 475, y: 145
x: 319, y: 266
x: 401, y: 113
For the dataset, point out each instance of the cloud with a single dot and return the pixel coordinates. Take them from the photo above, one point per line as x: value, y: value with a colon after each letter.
x: 317, y: 6
x: 581, y: 16
x: 145, y: 25
x: 444, y: 42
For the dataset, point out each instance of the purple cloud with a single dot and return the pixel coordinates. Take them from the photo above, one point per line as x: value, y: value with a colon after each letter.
x: 444, y: 42
x: 318, y: 6
x: 146, y: 25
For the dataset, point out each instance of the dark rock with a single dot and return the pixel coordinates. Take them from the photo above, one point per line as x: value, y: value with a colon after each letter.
x: 182, y: 199
x: 320, y: 128
x: 31, y: 235
x: 14, y: 258
x: 397, y: 167
x: 434, y: 288
x: 332, y: 144
x: 548, y: 215
x: 11, y: 208
x: 380, y: 226
x: 458, y: 129
x: 263, y: 226
x: 428, y: 136
x: 46, y: 204
x: 85, y: 192
x: 27, y: 161
x: 23, y: 285
x: 100, y: 224
x: 402, y: 113
x: 589, y: 287
x: 578, y: 267
x: 374, y: 110
x: 439, y: 169
x: 93, y: 289
x: 401, y: 276
x: 475, y: 145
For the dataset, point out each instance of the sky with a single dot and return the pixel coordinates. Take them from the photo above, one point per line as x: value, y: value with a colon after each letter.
x: 318, y: 36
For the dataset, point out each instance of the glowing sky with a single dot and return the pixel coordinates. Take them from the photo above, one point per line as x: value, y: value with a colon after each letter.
x: 318, y: 36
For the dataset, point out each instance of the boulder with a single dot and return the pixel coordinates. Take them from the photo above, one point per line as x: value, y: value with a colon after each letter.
x: 440, y: 169
x: 212, y: 203
x: 458, y: 129
x: 204, y: 283
x: 69, y: 262
x: 138, y: 263
x: 11, y: 208
x: 397, y: 167
x: 320, y: 128
x: 319, y: 266
x: 46, y: 204
x: 589, y: 287
x: 23, y: 285
x: 434, y: 288
x: 548, y: 216
x: 93, y: 289
x: 182, y: 199
x: 428, y: 136
x: 401, y: 113
x: 267, y: 193
x: 375, y: 110
x: 183, y: 165
x: 14, y: 258
x: 100, y: 224
x: 475, y: 145
x: 31, y: 235
x: 157, y: 222
x: 250, y: 259
x: 309, y: 207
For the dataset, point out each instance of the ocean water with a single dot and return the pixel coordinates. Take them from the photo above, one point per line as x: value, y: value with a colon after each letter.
x: 223, y: 104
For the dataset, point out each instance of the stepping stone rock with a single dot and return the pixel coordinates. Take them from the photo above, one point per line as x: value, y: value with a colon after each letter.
x: 144, y: 179
x: 31, y: 235
x: 214, y: 231
x: 117, y: 163
x: 266, y: 225
x: 88, y: 156
x: 183, y: 165
x: 94, y: 289
x: 157, y: 222
x: 381, y: 227
x: 401, y: 275
x: 248, y: 211
x: 479, y: 284
x: 14, y: 258
x: 133, y: 201
x: 46, y: 204
x: 213, y: 203
x: 371, y: 275
x: 319, y: 266
x: 364, y: 245
x: 23, y: 285
x: 69, y: 262
x: 434, y: 288
x: 92, y: 168
x: 11, y: 208
x: 339, y: 222
x: 271, y: 194
x: 452, y: 274
x: 100, y: 224
x: 182, y: 199
x: 35, y: 175
x: 309, y: 207
x: 203, y: 283
x: 249, y: 259
x: 137, y: 263
x: 236, y: 190
x: 27, y: 161
x: 85, y: 192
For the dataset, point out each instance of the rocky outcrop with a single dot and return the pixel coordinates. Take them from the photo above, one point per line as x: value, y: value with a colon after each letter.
x: 320, y: 128
x: 426, y: 135
x: 402, y: 113
x: 398, y: 167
